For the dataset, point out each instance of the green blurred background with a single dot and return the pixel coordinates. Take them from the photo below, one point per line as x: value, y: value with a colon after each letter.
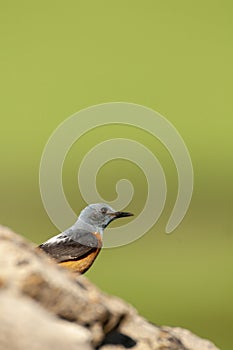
x: 175, y: 57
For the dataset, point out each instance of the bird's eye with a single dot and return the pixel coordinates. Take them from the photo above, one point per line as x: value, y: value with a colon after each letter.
x: 104, y: 210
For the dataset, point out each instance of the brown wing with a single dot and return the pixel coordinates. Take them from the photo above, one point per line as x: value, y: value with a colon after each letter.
x: 66, y: 248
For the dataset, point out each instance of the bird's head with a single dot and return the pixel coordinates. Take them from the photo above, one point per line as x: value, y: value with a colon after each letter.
x: 99, y: 215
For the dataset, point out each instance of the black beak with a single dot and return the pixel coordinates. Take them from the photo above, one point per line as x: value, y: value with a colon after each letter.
x: 116, y: 215
x: 121, y: 214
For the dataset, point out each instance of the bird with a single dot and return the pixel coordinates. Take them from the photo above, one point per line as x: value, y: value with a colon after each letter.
x: 77, y: 247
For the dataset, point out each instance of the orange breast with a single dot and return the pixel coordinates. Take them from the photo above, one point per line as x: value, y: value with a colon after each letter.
x: 83, y: 264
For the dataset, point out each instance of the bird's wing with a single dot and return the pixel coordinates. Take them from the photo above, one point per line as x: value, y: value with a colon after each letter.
x: 73, y: 246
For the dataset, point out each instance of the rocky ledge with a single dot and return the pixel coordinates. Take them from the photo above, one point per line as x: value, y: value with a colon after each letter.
x: 43, y: 306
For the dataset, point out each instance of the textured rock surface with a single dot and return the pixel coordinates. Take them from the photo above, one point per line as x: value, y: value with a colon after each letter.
x: 43, y: 306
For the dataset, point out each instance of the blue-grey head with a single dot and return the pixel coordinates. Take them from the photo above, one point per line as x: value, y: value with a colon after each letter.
x: 99, y: 215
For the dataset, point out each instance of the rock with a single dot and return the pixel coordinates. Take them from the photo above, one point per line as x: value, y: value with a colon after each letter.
x: 26, y: 325
x: 44, y: 306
